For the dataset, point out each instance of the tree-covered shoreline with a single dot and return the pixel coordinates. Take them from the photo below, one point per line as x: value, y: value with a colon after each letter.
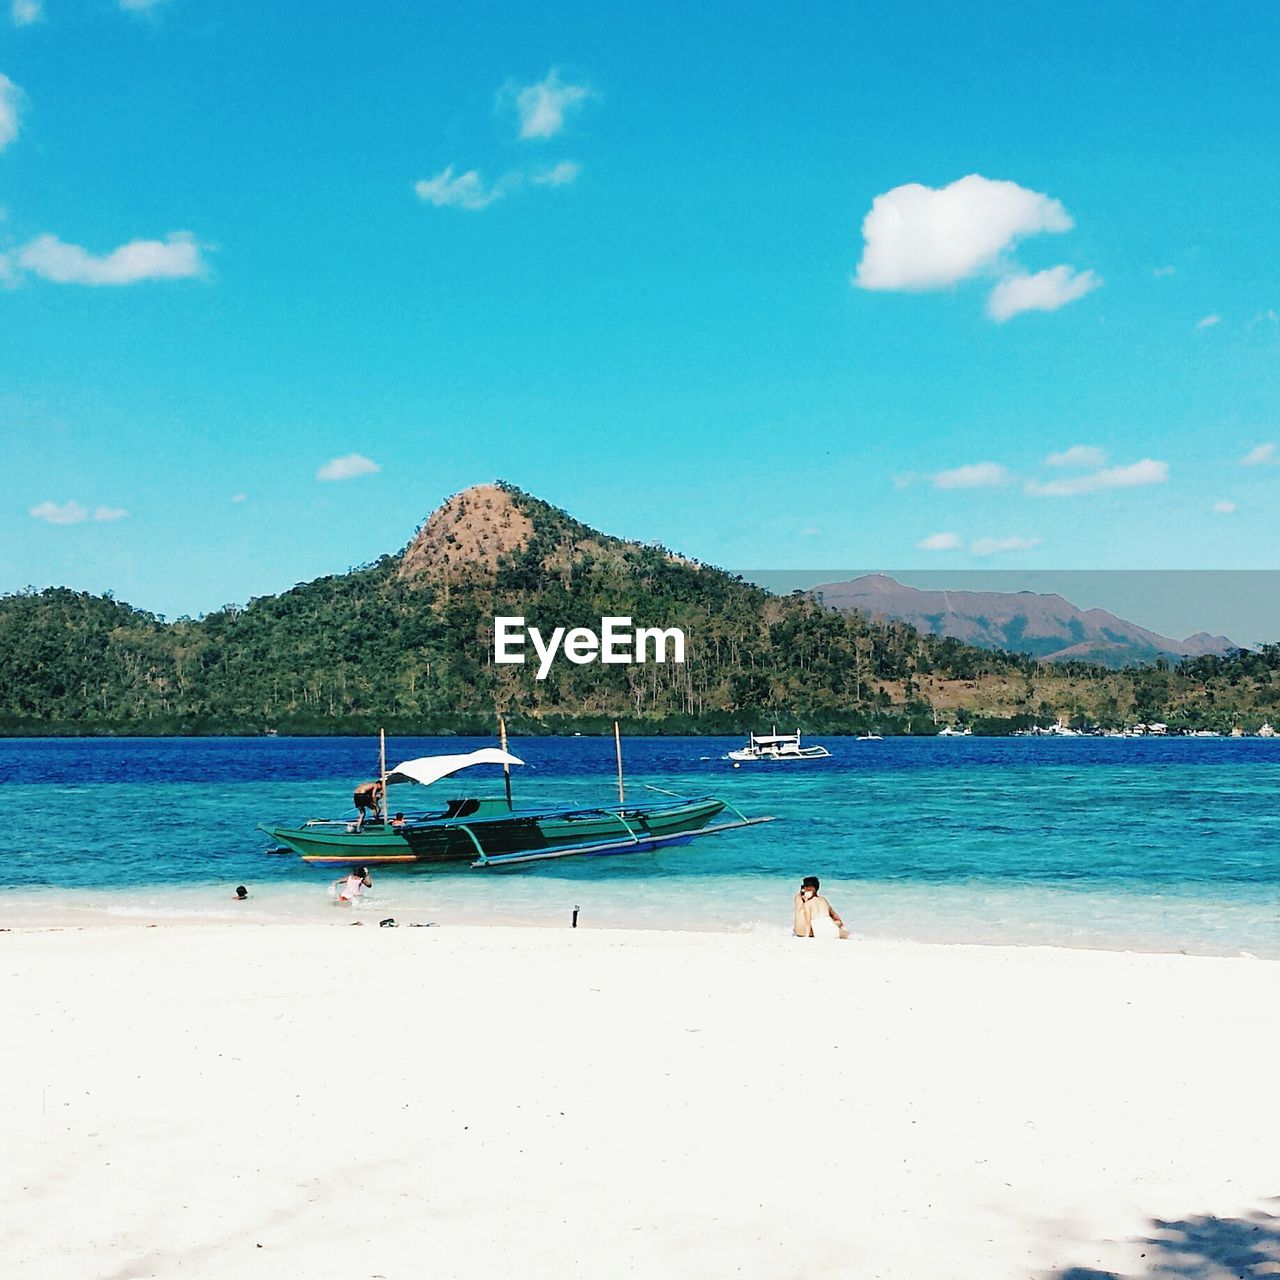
x: 406, y: 644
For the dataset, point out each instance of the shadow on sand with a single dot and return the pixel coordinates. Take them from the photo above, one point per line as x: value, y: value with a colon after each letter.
x: 1200, y: 1248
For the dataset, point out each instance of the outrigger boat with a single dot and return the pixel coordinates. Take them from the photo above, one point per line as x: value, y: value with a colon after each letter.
x: 491, y: 832
x: 777, y: 747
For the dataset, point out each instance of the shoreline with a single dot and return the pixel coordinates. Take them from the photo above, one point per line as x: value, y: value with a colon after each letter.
x: 334, y: 1102
x: 257, y: 913
x: 369, y: 915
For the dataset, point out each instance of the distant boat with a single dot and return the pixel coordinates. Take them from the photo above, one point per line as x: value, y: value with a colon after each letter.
x: 777, y: 748
x: 870, y: 737
x: 490, y: 832
x: 1266, y: 731
x: 951, y: 731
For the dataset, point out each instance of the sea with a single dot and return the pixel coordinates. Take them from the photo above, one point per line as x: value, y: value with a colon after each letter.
x: 1159, y: 845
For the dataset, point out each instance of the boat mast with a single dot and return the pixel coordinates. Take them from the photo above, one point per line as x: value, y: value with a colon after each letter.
x: 506, y: 768
x: 617, y: 746
x: 382, y: 768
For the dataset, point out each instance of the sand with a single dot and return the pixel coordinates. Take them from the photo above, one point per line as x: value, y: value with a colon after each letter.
x: 331, y: 1101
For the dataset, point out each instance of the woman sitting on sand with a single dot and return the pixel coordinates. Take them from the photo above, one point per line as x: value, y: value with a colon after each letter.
x: 815, y: 916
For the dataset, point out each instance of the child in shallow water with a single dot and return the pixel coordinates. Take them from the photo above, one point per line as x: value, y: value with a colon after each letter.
x: 349, y: 889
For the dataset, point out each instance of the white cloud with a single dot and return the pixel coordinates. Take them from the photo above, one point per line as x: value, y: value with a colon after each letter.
x: 1163, y: 271
x: 811, y: 532
x: 348, y: 467
x: 175, y: 258
x: 110, y: 513
x: 994, y: 546
x: 1224, y: 508
x: 559, y: 175
x: 919, y: 237
x: 65, y: 513
x: 466, y: 191
x: 939, y: 542
x: 542, y: 107
x: 1079, y: 455
x: 239, y: 497
x: 977, y: 475
x: 25, y: 12
x: 1135, y: 475
x: 1044, y: 291
x: 1261, y: 455
x: 138, y: 6
x: 10, y: 101
x: 1207, y: 322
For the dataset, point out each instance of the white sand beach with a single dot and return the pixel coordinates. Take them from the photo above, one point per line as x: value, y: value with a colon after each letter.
x: 329, y: 1101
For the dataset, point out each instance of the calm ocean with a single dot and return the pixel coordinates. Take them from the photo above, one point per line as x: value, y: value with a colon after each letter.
x: 1143, y: 844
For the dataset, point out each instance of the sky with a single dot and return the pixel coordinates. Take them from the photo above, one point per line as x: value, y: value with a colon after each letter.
x: 915, y: 286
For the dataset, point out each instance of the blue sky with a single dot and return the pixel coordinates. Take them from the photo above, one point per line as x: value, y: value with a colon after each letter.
x: 241, y: 241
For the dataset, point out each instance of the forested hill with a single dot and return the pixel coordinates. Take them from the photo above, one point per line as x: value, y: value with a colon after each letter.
x: 407, y: 643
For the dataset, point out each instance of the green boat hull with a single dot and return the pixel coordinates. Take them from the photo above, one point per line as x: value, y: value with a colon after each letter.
x: 490, y: 830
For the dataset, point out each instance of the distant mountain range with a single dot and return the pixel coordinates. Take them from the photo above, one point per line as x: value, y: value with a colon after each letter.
x: 1044, y: 626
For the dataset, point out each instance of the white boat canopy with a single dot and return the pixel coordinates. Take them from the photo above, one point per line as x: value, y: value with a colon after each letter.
x: 772, y: 738
x: 428, y: 769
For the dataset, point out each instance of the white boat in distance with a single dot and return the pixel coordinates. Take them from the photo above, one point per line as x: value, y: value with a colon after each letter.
x: 777, y: 747
x: 951, y: 731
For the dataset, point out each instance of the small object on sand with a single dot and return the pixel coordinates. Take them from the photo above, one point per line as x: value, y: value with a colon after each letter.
x: 418, y: 924
x: 575, y: 918
x: 388, y: 923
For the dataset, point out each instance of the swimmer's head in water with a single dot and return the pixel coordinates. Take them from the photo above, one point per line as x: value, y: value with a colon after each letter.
x: 361, y: 872
x: 241, y: 891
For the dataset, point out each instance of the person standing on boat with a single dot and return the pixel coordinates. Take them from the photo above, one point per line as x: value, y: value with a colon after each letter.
x: 368, y: 797
x: 815, y: 917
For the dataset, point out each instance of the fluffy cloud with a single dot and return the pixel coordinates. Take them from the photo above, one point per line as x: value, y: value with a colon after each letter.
x: 559, y: 175
x: 138, y: 6
x: 919, y: 237
x: 175, y: 258
x: 939, y: 542
x: 10, y: 100
x: 466, y: 191
x: 1044, y: 291
x: 994, y: 546
x: 1261, y: 455
x: 61, y: 513
x: 1224, y: 508
x: 978, y: 547
x: 73, y: 512
x: 1079, y: 455
x: 25, y: 12
x: 239, y: 497
x: 1207, y: 322
x: 1164, y: 271
x: 542, y: 107
x: 348, y: 467
x: 1135, y: 475
x: 977, y: 475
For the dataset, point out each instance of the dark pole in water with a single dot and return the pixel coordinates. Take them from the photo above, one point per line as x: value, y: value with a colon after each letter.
x: 506, y: 768
x: 575, y: 918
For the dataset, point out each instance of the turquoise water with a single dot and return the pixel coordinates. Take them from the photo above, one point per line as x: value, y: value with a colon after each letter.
x: 1144, y: 844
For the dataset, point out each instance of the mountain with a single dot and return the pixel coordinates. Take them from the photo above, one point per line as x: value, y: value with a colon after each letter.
x: 1044, y: 626
x: 407, y: 643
